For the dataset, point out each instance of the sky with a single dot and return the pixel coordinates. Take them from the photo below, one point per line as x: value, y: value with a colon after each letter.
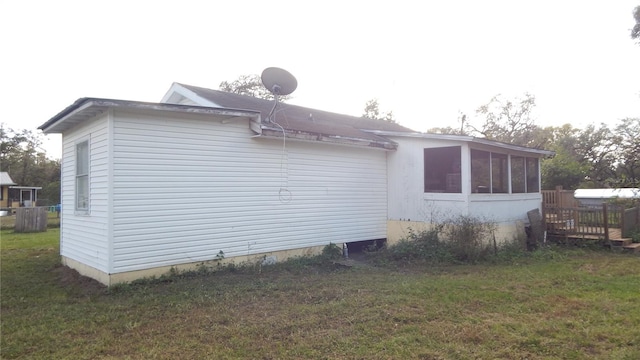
x: 426, y: 61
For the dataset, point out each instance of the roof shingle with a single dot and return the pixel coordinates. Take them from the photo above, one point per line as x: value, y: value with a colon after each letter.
x: 302, y: 119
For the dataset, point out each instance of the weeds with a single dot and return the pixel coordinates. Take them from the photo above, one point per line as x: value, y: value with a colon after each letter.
x: 462, y: 240
x: 469, y: 239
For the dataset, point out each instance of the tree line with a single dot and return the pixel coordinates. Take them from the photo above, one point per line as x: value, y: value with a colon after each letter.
x: 598, y: 156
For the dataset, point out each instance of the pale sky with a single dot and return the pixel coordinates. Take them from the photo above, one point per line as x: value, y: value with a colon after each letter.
x: 427, y: 61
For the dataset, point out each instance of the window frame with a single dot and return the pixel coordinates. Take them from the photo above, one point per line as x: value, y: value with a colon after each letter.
x: 82, y: 177
x: 530, y: 172
x: 519, y: 174
x: 447, y: 175
x: 536, y: 180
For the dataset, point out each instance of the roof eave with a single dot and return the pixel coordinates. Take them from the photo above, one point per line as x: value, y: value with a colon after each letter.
x: 278, y: 133
x: 86, y: 108
x: 464, y: 138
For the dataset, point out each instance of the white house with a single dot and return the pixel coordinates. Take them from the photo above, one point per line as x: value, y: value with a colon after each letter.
x: 206, y: 174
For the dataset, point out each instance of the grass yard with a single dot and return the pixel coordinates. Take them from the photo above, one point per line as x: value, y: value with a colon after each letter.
x: 565, y: 304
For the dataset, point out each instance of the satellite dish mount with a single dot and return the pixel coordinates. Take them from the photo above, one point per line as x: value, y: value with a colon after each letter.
x: 279, y: 82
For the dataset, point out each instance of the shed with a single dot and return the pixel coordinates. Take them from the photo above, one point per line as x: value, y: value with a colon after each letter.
x: 5, y: 183
x: 596, y: 197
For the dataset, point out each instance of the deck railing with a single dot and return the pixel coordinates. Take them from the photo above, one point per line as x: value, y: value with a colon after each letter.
x: 630, y: 221
x: 588, y: 221
x: 559, y: 198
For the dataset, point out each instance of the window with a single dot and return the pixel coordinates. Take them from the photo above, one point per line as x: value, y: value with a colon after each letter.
x: 499, y: 173
x: 517, y: 175
x: 82, y: 176
x: 442, y: 170
x: 480, y: 171
x: 532, y: 176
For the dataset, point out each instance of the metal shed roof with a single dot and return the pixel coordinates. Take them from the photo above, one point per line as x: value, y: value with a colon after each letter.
x: 622, y: 193
x: 5, y: 179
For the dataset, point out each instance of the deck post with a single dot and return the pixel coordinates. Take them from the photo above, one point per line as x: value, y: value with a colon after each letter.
x: 621, y: 224
x: 606, y: 221
x: 543, y: 214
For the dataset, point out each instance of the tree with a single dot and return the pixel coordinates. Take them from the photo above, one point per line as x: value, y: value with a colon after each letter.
x: 509, y: 121
x: 595, y: 146
x: 627, y: 140
x: 635, y: 31
x: 565, y: 168
x: 27, y: 164
x: 250, y: 85
x: 372, y: 111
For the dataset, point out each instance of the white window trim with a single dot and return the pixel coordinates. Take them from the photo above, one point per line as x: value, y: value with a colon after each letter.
x: 87, y: 210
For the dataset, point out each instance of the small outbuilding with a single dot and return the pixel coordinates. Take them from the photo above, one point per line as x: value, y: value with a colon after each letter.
x: 5, y: 183
x: 596, y: 197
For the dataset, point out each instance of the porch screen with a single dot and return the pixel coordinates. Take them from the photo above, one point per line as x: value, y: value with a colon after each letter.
x: 442, y: 170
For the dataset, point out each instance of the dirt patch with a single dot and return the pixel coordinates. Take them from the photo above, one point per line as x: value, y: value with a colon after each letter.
x: 70, y: 279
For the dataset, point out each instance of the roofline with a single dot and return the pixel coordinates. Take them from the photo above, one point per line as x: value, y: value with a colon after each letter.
x: 266, y: 130
x: 26, y: 187
x: 464, y: 138
x: 181, y: 89
x: 85, y: 108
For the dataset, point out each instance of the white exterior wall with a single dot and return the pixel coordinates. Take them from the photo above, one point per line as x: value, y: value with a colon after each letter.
x: 186, y: 188
x: 409, y: 205
x: 84, y: 236
x: 407, y: 199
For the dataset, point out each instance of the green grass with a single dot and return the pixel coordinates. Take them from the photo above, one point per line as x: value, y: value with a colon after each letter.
x: 576, y: 304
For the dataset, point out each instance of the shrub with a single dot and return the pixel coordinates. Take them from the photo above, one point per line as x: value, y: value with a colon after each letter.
x: 469, y: 238
x: 331, y: 252
x: 461, y: 239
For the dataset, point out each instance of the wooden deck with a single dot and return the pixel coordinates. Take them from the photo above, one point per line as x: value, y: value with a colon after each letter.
x: 583, y: 232
x: 611, y: 224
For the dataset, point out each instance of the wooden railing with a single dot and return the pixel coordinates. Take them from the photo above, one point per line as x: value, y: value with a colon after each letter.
x: 589, y: 221
x: 630, y: 221
x: 559, y: 198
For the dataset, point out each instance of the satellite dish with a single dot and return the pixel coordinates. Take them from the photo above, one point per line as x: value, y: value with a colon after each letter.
x: 278, y: 81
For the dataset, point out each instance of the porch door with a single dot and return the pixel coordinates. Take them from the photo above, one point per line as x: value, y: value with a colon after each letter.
x: 25, y: 198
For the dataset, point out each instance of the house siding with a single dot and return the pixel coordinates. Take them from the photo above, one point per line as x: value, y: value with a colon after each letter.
x: 84, y: 236
x: 186, y: 188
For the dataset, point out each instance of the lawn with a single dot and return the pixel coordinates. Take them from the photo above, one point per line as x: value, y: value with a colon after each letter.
x: 562, y: 304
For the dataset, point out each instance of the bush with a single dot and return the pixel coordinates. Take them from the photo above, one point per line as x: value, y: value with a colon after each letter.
x: 331, y: 252
x: 469, y: 239
x: 462, y: 239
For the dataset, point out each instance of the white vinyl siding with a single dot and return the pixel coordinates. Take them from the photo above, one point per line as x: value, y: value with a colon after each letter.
x: 186, y: 189
x: 83, y: 234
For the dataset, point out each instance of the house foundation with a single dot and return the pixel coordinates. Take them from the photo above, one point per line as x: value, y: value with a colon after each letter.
x: 129, y: 276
